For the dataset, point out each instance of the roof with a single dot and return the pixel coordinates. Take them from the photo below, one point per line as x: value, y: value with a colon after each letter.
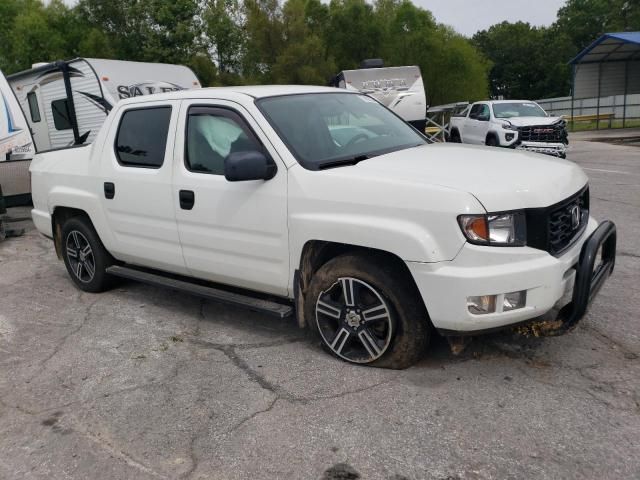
x: 611, y: 47
x: 257, y: 91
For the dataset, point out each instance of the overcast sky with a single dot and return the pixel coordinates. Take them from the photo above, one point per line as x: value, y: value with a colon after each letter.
x: 469, y: 16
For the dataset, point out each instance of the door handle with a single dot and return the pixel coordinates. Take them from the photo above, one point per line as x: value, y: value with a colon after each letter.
x: 109, y: 190
x: 187, y: 199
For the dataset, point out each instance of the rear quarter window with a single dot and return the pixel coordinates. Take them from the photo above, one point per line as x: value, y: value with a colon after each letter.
x: 141, y: 139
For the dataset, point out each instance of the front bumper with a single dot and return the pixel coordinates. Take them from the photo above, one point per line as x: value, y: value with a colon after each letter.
x: 561, y: 283
x: 555, y: 149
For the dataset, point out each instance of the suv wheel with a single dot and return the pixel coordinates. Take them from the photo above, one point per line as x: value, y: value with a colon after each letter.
x: 84, y: 256
x: 367, y: 311
x: 492, y: 141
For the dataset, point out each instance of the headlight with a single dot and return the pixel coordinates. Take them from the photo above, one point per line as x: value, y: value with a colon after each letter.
x: 509, y: 126
x: 498, y: 229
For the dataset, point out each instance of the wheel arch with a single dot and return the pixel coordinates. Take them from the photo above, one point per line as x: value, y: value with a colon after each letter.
x: 59, y: 216
x: 316, y: 253
x: 492, y: 134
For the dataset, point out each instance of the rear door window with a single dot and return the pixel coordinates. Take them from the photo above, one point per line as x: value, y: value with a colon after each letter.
x: 142, y: 137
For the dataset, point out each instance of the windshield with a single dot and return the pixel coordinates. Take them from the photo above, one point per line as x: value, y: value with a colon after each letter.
x: 328, y: 129
x: 517, y: 109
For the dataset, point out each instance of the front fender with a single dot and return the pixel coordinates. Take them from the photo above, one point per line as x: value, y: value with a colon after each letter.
x: 407, y: 240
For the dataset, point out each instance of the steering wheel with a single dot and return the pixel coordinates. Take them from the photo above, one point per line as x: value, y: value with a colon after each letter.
x: 358, y: 138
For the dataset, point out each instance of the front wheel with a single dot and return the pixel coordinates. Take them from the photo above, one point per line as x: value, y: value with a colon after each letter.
x: 84, y: 256
x: 492, y: 141
x: 367, y: 311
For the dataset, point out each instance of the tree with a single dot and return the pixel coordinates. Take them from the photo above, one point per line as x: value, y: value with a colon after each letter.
x: 353, y: 32
x: 264, y: 40
x: 224, y: 32
x: 452, y: 68
x: 585, y: 20
x: 34, y: 33
x: 304, y: 58
x: 523, y: 64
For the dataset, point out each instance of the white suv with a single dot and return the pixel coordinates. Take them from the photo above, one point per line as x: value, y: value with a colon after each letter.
x: 520, y: 124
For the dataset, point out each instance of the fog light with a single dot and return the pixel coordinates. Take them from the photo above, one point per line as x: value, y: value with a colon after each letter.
x: 482, y: 305
x: 509, y: 136
x: 514, y: 300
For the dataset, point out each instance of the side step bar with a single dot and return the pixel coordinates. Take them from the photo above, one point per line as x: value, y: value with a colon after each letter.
x: 280, y: 310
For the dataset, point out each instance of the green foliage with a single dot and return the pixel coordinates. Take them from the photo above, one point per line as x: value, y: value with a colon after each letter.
x: 247, y: 41
x: 531, y: 62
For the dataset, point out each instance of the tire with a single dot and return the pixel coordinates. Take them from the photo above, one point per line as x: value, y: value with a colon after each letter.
x: 85, y: 257
x: 492, y: 141
x: 455, y: 137
x: 347, y: 289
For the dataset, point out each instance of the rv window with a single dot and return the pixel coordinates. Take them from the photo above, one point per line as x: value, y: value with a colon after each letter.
x: 142, y: 137
x: 33, y: 107
x: 61, y: 116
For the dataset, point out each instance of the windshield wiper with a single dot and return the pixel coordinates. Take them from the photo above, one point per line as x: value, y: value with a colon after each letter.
x: 343, y: 161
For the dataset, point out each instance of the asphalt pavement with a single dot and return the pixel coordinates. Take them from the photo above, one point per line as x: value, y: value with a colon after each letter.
x: 145, y: 383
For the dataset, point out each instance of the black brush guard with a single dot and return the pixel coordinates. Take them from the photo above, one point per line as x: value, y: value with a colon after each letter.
x: 590, y: 275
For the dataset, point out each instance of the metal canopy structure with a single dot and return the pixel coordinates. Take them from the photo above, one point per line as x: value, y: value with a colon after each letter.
x: 611, y: 47
x: 608, y: 72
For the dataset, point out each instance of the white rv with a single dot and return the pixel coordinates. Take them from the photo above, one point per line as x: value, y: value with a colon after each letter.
x: 401, y: 89
x: 64, y: 103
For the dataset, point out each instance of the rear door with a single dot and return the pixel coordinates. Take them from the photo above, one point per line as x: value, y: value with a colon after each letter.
x: 231, y: 232
x: 136, y: 185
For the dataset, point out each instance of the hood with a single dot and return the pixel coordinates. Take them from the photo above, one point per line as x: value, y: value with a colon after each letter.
x: 526, y: 121
x: 500, y: 179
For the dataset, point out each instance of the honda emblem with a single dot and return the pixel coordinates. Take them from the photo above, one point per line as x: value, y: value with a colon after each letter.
x: 575, y: 217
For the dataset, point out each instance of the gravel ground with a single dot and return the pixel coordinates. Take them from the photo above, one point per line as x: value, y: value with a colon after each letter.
x: 142, y: 382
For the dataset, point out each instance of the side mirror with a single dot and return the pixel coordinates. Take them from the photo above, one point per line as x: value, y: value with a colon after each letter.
x: 483, y: 118
x: 244, y: 166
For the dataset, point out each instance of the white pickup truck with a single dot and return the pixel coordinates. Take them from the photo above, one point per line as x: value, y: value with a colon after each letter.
x: 520, y: 124
x: 323, y: 203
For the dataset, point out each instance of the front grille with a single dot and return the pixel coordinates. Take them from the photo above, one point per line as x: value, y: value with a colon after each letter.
x: 543, y: 133
x: 555, y: 228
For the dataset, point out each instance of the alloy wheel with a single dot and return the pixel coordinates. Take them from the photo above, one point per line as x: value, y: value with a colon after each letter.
x: 80, y: 256
x: 354, y: 320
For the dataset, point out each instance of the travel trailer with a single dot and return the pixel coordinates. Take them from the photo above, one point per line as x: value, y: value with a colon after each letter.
x: 16, y: 147
x: 400, y: 89
x: 60, y: 104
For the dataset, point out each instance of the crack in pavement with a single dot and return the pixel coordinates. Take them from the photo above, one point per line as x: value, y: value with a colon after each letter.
x: 108, y: 447
x: 594, y: 383
x: 611, y: 342
x: 66, y: 337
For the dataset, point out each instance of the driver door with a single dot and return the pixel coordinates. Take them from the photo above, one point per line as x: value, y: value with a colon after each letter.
x: 483, y: 123
x: 233, y: 233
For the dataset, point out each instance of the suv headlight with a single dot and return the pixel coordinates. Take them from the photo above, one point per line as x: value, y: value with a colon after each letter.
x: 509, y: 126
x: 497, y: 229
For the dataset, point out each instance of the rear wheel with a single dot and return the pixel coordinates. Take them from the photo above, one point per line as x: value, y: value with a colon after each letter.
x: 455, y: 137
x: 84, y: 256
x: 366, y: 311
